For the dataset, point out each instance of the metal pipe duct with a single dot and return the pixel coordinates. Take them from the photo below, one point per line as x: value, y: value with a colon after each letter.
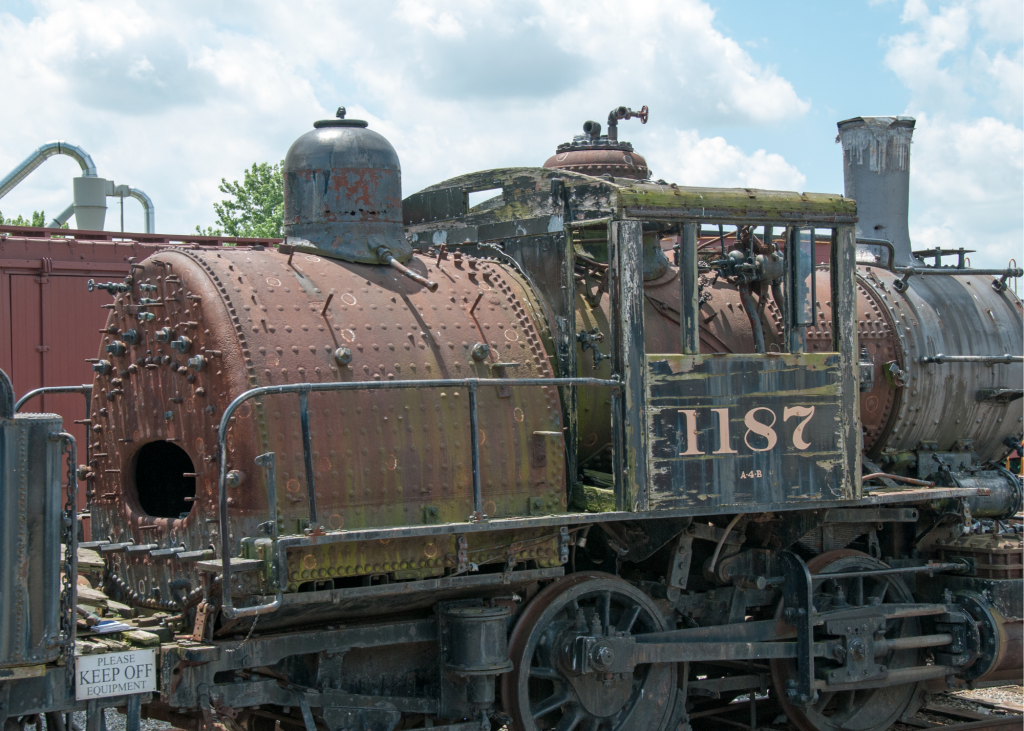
x: 61, y: 218
x: 148, y: 209
x: 876, y: 172
x: 41, y: 155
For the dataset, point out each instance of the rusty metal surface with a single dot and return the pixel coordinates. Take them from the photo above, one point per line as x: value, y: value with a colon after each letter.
x: 386, y: 459
x: 876, y: 334
x: 744, y: 430
x: 595, y: 154
x: 51, y: 325
x: 343, y: 192
x: 940, y: 401
x: 30, y: 539
x: 619, y: 163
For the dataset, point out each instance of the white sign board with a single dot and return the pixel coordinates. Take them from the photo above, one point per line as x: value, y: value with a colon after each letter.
x: 115, y: 673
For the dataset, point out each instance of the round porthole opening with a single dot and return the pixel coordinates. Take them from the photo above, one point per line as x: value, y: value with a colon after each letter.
x: 164, y: 480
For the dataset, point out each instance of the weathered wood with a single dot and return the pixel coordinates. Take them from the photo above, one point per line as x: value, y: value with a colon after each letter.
x: 746, y: 430
x: 845, y: 342
x: 629, y: 362
x: 689, y: 325
x: 734, y: 205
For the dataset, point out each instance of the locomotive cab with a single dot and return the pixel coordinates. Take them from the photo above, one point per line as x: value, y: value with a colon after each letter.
x: 755, y: 426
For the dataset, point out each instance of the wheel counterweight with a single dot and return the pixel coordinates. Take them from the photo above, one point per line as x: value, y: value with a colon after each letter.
x: 544, y: 691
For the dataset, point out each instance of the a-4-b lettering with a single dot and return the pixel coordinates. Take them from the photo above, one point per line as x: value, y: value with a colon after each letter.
x: 760, y: 435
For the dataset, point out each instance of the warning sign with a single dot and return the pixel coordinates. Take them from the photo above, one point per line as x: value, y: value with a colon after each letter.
x: 115, y: 673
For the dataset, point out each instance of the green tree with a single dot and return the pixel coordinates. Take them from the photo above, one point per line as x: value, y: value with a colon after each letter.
x: 256, y: 206
x: 38, y: 220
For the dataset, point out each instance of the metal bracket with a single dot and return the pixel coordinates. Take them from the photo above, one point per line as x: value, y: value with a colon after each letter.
x: 563, y: 544
x: 462, y: 556
x: 797, y: 594
x: 681, y: 559
x: 510, y: 564
x: 900, y: 285
x: 858, y: 650
x: 204, y: 613
x: 867, y: 370
x: 268, y: 462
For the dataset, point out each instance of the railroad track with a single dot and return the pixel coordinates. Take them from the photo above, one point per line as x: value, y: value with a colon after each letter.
x: 736, y: 715
x: 994, y: 723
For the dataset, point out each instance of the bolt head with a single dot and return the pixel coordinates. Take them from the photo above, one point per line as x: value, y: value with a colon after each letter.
x: 182, y: 344
x: 480, y: 351
x: 343, y: 356
x: 602, y: 657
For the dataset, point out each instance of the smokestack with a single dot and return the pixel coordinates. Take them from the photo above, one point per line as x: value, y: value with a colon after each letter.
x: 876, y: 171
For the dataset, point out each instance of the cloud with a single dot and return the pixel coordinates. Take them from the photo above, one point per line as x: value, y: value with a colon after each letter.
x: 711, y: 161
x: 171, y: 97
x: 916, y: 57
x: 967, y: 170
x: 1002, y: 20
x: 966, y: 182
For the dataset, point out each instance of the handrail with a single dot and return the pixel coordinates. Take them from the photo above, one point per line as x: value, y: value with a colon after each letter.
x: 987, y: 359
x: 303, y: 390
x: 85, y: 389
x: 910, y: 271
x: 7, y: 409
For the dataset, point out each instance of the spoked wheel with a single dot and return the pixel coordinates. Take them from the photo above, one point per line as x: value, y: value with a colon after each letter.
x: 873, y: 709
x: 542, y: 692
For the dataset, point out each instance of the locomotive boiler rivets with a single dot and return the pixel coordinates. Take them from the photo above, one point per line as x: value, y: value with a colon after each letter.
x: 235, y: 478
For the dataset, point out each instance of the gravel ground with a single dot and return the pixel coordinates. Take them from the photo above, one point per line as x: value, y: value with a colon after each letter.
x: 1003, y: 694
x: 116, y: 721
x: 964, y: 700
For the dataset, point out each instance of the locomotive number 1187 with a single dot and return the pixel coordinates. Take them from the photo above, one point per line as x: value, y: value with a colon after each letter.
x: 760, y: 435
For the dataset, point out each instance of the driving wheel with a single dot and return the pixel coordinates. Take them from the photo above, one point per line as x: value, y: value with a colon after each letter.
x: 547, y: 690
x: 870, y: 709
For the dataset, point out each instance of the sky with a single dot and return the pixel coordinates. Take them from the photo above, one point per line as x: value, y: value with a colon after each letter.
x: 171, y: 97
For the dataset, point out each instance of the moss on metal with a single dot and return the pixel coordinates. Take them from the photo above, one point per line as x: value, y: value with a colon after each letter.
x: 736, y: 202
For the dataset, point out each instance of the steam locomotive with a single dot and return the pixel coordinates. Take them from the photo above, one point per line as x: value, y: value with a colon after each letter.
x: 596, y: 452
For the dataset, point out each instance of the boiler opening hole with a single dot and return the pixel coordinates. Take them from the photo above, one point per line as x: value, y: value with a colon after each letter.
x: 164, y: 490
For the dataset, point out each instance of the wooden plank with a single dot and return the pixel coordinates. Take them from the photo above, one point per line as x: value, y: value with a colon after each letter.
x: 953, y: 712
x: 743, y: 430
x: 626, y: 256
